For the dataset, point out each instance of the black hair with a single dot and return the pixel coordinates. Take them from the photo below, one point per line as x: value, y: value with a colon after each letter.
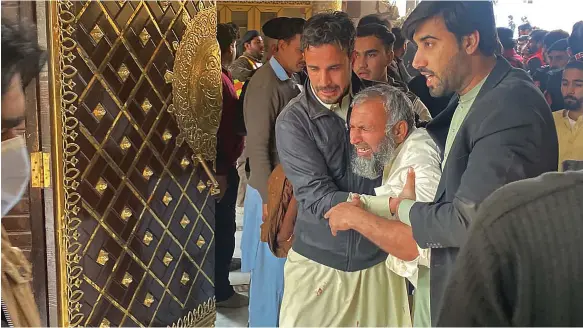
x: 295, y: 27
x: 560, y: 45
x: 374, y: 19
x: 505, y: 35
x: 249, y: 36
x: 378, y: 31
x: 574, y: 63
x: 461, y: 18
x: 524, y: 27
x: 399, y: 38
x: 554, y: 36
x: 329, y: 28
x: 236, y: 28
x: 226, y: 35
x: 538, y: 35
x: 576, y: 39
x: 21, y: 53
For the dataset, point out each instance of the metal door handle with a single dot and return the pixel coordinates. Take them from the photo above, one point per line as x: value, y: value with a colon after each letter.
x: 215, y: 189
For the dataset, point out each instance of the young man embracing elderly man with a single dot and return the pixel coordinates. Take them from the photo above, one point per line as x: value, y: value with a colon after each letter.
x: 497, y: 129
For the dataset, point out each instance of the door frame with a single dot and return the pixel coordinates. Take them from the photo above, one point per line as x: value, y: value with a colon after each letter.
x: 255, y: 8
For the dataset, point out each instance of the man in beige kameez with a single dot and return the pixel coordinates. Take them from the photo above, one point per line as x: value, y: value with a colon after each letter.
x: 331, y: 280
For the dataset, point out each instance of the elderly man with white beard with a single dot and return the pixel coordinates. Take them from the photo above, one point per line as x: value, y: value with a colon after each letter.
x: 386, y: 142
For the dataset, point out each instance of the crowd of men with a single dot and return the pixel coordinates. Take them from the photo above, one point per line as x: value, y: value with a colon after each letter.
x: 378, y: 159
x: 378, y: 193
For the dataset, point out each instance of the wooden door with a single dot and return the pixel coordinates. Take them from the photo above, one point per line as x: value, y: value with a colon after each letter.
x: 251, y: 15
x: 135, y: 215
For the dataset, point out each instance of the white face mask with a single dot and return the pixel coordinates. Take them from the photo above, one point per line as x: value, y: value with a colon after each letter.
x: 15, y: 172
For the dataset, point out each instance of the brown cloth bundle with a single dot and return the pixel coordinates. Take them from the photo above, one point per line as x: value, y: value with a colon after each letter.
x: 282, y: 208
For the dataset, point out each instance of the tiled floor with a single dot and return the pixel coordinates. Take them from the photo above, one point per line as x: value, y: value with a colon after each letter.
x: 240, y: 281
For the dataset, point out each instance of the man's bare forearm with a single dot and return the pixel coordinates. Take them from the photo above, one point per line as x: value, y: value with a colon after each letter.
x: 392, y: 236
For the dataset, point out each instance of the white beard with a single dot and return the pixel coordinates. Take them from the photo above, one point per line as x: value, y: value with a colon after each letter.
x: 372, y: 168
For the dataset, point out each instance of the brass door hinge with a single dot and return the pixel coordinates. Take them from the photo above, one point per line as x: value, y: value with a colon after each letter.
x: 40, y: 170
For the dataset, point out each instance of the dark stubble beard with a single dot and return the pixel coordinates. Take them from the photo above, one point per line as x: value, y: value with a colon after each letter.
x: 572, y: 103
x: 372, y: 168
x: 452, y: 77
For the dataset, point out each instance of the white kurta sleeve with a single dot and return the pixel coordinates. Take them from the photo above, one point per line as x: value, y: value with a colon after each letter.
x: 422, y: 154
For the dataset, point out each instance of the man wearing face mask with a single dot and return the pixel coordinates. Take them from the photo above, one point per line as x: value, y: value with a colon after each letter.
x: 22, y: 60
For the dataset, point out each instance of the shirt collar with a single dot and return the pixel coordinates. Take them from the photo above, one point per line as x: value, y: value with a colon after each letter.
x: 472, y: 94
x: 567, y: 118
x: 343, y: 102
x: 250, y: 56
x: 278, y: 69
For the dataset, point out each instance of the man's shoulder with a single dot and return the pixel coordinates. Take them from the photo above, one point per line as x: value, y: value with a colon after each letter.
x: 420, y: 135
x: 241, y: 61
x: 541, y: 191
x: 558, y: 115
x: 263, y: 77
x: 516, y: 90
x: 420, y: 141
x: 294, y: 111
x: 265, y: 71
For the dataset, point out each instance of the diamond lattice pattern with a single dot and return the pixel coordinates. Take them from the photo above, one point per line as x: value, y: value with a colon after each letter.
x: 142, y: 212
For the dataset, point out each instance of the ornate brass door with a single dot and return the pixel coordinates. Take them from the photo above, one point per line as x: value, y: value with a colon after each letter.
x: 135, y: 212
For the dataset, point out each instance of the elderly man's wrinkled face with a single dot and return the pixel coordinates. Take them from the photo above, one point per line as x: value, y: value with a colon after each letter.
x: 329, y: 70
x: 373, y: 145
x: 439, y: 57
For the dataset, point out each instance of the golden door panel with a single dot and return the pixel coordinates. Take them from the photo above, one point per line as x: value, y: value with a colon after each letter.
x: 136, y: 222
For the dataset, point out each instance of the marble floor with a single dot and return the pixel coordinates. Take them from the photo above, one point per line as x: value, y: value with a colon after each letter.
x: 240, y: 281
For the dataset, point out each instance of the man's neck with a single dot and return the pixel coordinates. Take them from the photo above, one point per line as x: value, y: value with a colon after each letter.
x: 399, y: 54
x: 287, y: 71
x: 225, y: 63
x: 478, y: 73
x: 385, y: 76
x: 575, y: 114
x: 250, y: 55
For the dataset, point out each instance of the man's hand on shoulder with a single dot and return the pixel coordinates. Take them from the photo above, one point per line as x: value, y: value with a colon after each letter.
x: 408, y: 192
x: 342, y: 216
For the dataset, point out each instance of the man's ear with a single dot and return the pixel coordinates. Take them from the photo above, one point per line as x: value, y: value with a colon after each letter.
x: 390, y: 56
x: 281, y: 44
x: 471, y: 42
x: 353, y: 58
x: 400, y: 132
